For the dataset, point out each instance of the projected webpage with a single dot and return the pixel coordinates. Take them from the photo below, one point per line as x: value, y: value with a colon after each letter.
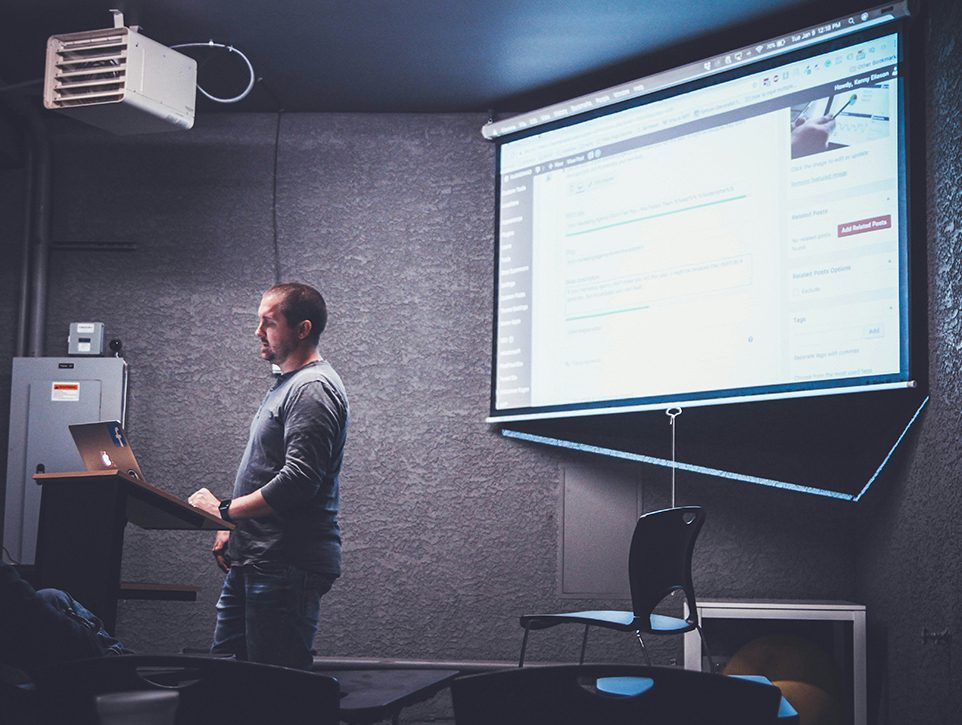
x: 740, y: 236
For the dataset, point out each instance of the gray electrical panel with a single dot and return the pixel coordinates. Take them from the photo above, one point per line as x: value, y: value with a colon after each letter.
x: 47, y: 395
x: 601, y: 507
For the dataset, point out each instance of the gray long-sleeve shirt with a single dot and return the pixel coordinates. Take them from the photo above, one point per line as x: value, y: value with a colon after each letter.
x: 293, y: 457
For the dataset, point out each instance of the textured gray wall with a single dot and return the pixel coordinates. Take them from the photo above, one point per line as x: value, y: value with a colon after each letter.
x: 908, y: 563
x: 450, y: 530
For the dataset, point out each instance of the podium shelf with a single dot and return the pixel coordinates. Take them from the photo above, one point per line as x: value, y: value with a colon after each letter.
x: 166, y: 592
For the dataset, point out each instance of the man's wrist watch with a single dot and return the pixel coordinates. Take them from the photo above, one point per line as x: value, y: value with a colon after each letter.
x: 224, y: 508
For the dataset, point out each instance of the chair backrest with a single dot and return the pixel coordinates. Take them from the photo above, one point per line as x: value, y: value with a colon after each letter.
x: 567, y: 695
x: 659, y: 561
x: 211, y: 689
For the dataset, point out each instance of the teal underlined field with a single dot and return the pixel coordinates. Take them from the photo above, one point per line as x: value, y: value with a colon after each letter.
x: 602, y: 296
x: 607, y: 313
x: 648, y: 217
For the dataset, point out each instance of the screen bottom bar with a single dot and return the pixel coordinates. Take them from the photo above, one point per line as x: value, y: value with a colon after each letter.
x: 665, y: 405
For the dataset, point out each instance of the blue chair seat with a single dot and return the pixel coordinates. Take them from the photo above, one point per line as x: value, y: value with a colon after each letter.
x: 624, y: 686
x: 612, y: 619
x: 677, y: 625
x: 609, y: 618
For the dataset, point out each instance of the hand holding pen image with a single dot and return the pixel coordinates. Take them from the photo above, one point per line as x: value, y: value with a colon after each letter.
x: 811, y: 135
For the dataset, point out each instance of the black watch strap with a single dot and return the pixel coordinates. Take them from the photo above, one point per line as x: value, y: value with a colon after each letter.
x: 223, y: 507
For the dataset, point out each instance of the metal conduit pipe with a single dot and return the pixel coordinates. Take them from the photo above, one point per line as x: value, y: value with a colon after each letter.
x: 23, y: 301
x: 40, y: 228
x: 32, y: 312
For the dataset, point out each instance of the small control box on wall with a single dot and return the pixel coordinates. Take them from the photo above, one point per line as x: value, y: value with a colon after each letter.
x: 86, y: 338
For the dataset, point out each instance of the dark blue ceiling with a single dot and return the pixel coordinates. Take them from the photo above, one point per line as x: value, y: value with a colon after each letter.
x: 418, y: 55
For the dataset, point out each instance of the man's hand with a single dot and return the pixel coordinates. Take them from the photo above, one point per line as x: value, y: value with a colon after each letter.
x: 205, y: 501
x: 219, y: 549
x: 810, y: 136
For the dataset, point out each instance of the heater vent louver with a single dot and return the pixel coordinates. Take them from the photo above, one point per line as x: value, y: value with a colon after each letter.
x: 88, y: 68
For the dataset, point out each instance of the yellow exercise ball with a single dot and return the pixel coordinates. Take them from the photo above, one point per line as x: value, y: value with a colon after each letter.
x: 814, y: 705
x: 785, y: 657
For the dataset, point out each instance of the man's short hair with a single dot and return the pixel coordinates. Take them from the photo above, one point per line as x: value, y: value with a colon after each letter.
x: 301, y: 302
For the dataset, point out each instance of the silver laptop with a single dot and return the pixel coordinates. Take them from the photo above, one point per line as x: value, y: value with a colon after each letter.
x: 103, y: 446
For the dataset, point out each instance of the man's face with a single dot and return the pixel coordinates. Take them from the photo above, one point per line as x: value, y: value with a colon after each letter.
x: 278, y: 338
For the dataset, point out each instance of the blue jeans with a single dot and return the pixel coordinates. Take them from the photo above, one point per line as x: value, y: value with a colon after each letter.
x: 270, y: 614
x: 83, y: 620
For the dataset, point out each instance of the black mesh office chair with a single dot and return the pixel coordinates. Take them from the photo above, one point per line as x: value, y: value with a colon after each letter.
x: 659, y: 563
x: 211, y: 690
x: 582, y: 695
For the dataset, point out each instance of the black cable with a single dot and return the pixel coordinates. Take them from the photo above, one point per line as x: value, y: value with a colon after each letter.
x: 12, y: 560
x: 270, y: 91
x: 277, y: 251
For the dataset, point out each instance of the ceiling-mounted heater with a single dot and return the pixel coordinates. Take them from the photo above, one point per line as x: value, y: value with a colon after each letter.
x: 120, y: 80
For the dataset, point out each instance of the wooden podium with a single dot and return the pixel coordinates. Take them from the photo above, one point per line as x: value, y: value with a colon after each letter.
x: 80, y: 538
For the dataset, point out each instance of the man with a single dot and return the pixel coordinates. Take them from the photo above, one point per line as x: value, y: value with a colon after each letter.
x: 285, y: 551
x: 46, y: 627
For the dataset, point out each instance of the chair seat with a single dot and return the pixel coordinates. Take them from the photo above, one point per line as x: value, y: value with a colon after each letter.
x: 610, y: 619
x: 624, y: 686
x: 676, y: 625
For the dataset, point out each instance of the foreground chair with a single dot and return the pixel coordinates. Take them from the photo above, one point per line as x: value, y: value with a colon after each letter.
x: 18, y: 701
x: 211, y: 690
x: 582, y: 695
x: 659, y: 563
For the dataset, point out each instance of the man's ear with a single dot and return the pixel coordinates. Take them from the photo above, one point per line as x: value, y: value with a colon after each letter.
x: 304, y: 330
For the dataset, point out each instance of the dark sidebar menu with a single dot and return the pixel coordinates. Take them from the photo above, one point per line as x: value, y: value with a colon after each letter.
x: 513, y: 358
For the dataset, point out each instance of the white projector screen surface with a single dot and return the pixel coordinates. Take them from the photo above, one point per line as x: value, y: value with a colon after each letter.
x: 745, y: 237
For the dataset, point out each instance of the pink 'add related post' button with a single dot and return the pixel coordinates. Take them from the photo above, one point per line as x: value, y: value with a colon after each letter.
x: 865, y: 225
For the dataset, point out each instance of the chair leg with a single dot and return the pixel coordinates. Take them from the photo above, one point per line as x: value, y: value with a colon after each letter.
x: 524, y: 646
x: 643, y: 648
x: 584, y: 645
x: 704, y: 646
